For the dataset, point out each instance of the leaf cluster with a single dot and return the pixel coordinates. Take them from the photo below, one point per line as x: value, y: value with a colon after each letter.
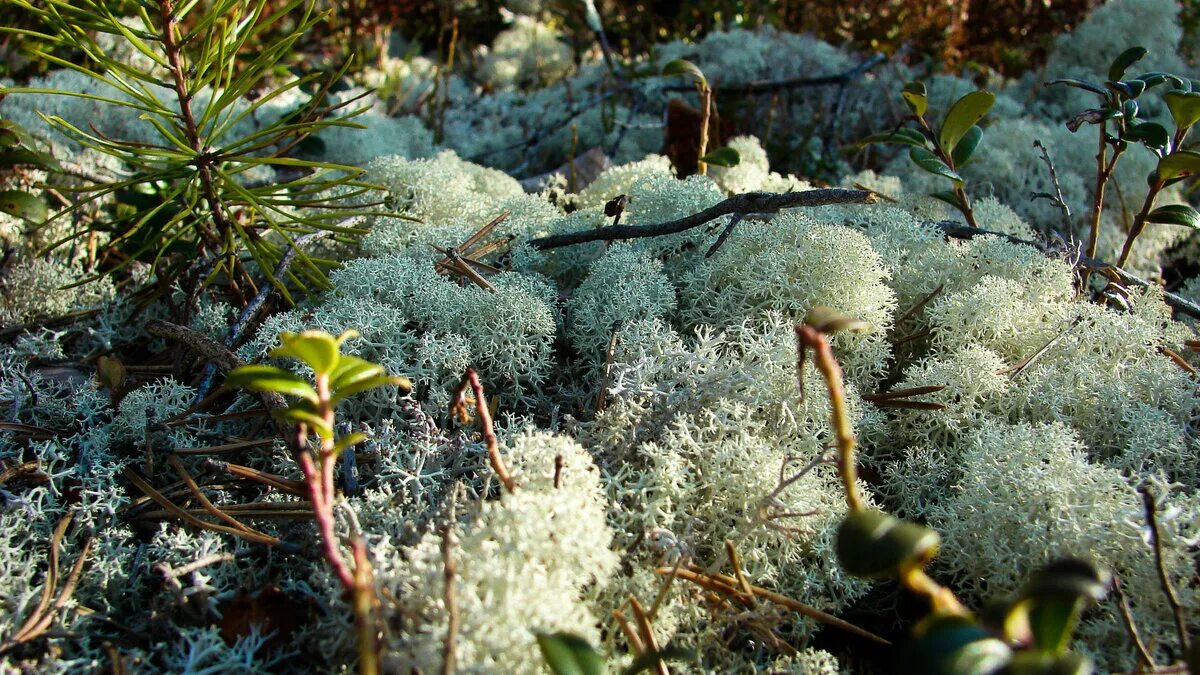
x: 188, y: 193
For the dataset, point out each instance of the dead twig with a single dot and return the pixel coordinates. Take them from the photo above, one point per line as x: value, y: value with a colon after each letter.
x: 1178, y: 303
x: 1160, y: 566
x: 744, y: 204
x: 43, y: 615
x: 458, y: 408
x: 1145, y: 660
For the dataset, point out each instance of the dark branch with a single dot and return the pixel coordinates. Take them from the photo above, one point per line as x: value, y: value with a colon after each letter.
x: 768, y: 86
x: 1180, y: 304
x: 743, y: 204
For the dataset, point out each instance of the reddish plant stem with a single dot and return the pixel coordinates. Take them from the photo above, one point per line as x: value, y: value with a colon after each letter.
x: 827, y: 365
x: 458, y: 408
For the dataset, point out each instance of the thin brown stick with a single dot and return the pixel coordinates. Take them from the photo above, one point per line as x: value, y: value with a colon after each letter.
x: 635, y: 642
x: 204, y: 501
x: 609, y: 355
x: 190, y: 519
x: 1160, y: 566
x: 458, y: 408
x: 1145, y: 659
x: 750, y: 202
x: 908, y: 313
x: 729, y: 586
x: 646, y: 630
x: 809, y: 337
x: 221, y: 449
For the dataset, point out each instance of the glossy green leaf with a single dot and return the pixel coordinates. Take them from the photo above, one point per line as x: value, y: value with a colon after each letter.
x: 350, y: 369
x: 318, y: 349
x: 953, y: 645
x: 967, y: 146
x: 1175, y: 214
x: 567, y: 654
x: 303, y: 412
x: 915, y: 97
x: 1127, y: 58
x: 1130, y: 109
x: 270, y: 378
x: 366, y: 384
x: 1041, y: 663
x: 1150, y: 134
x: 1184, y: 107
x: 1179, y: 163
x: 684, y: 68
x: 11, y: 157
x: 23, y: 205
x: 1080, y: 84
x: 901, y: 136
x: 1127, y: 88
x: 963, y: 115
x: 1155, y: 78
x: 349, y: 440
x: 930, y: 162
x: 871, y: 543
x: 725, y: 156
x: 948, y: 196
x: 8, y: 137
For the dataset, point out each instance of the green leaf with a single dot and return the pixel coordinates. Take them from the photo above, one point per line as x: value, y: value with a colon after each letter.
x: 1184, y: 107
x: 23, y: 205
x: 11, y: 157
x: 930, y: 162
x: 1175, y: 214
x: 270, y: 378
x: 8, y: 137
x: 948, y: 196
x: 901, y: 136
x: 303, y: 412
x: 1150, y: 134
x: 872, y: 544
x: 1041, y: 663
x: 351, y: 369
x: 966, y: 147
x: 725, y: 156
x: 1179, y: 163
x: 318, y: 349
x: 366, y: 384
x: 953, y: 645
x: 684, y: 68
x: 1130, y: 110
x: 1127, y: 58
x: 567, y: 654
x: 1080, y: 84
x: 1051, y: 621
x: 349, y: 440
x: 1127, y: 88
x: 650, y: 660
x: 916, y: 97
x: 965, y: 112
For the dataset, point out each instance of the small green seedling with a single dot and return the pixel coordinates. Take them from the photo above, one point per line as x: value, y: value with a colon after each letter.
x: 946, y: 150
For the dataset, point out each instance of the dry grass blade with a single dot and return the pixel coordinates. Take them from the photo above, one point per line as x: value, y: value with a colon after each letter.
x: 200, y: 496
x: 226, y: 447
x: 190, y: 519
x: 646, y: 631
x: 458, y: 408
x: 288, y: 485
x: 730, y: 587
x: 43, y: 615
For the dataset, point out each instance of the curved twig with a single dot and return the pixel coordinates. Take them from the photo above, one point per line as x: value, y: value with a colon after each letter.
x: 743, y: 204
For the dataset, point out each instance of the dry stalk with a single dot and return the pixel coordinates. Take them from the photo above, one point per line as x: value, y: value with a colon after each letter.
x: 459, y: 409
x: 1160, y: 566
x: 43, y: 615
